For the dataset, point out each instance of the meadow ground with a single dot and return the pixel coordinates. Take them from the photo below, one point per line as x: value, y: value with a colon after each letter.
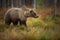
x: 42, y: 28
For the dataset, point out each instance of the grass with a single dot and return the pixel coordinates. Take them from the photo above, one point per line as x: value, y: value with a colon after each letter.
x: 39, y: 29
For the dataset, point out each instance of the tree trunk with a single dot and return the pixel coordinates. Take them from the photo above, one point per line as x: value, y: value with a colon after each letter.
x: 12, y: 3
x: 55, y: 7
x: 35, y: 4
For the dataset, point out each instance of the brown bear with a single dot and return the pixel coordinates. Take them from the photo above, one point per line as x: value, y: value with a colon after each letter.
x: 18, y: 14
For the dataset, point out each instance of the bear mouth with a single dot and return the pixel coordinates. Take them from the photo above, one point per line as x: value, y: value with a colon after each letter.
x: 36, y: 16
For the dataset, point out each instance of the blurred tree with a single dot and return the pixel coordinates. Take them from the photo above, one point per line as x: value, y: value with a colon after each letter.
x: 34, y: 4
x: 49, y: 2
x: 12, y: 3
x: 19, y: 3
x: 1, y: 3
x: 58, y: 2
x: 54, y: 14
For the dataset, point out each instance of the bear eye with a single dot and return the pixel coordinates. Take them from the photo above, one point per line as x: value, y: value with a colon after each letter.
x: 31, y: 11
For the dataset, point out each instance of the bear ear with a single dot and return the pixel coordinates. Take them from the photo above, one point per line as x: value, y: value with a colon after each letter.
x: 32, y: 10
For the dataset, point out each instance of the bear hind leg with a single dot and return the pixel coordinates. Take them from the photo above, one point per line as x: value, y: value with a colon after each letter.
x: 7, y: 22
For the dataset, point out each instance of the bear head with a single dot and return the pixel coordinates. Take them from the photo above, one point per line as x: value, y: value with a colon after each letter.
x: 31, y: 13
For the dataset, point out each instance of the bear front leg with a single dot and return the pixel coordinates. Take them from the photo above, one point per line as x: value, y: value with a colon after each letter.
x: 23, y: 22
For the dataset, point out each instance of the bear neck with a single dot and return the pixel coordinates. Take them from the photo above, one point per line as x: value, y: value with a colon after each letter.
x: 27, y: 14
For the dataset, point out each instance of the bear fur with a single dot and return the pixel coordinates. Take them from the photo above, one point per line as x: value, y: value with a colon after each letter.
x: 18, y: 14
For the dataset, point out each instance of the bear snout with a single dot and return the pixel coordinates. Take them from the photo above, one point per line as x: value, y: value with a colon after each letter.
x: 36, y: 16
